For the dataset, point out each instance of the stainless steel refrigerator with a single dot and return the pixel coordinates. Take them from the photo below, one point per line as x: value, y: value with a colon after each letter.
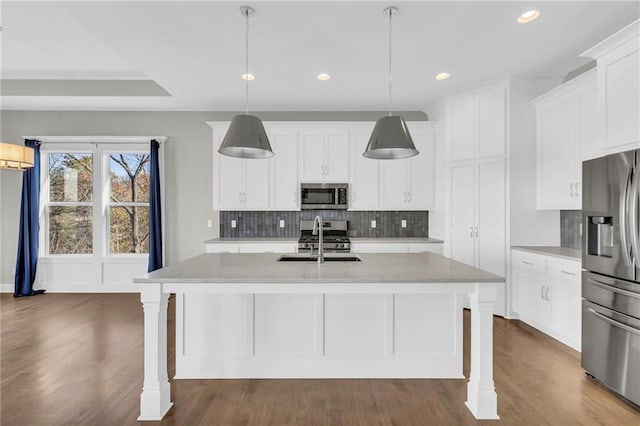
x: 611, y: 276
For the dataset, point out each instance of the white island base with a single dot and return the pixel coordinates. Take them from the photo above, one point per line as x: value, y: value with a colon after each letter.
x: 305, y: 329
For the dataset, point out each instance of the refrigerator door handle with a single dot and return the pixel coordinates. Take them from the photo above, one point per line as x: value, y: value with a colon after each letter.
x: 615, y: 323
x: 633, y: 218
x: 623, y: 220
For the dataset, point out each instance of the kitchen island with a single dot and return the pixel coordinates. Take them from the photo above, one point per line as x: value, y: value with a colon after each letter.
x: 253, y: 316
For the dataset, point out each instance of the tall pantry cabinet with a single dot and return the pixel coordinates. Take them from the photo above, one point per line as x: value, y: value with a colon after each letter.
x: 488, y: 147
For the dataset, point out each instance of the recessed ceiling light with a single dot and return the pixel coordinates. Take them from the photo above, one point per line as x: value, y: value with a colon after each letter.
x: 528, y: 16
x: 443, y: 76
x: 323, y: 77
x: 248, y: 76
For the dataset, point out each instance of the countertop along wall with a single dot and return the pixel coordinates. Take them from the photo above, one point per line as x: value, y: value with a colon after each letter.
x: 188, y: 165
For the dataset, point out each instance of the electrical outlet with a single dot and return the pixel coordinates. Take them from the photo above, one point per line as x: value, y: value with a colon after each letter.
x: 281, y: 223
x: 403, y: 223
x: 373, y: 223
x: 233, y: 223
x: 209, y: 223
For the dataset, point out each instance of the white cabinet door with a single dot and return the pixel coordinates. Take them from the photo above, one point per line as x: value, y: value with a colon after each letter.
x: 619, y: 81
x: 283, y: 170
x: 337, y: 155
x: 312, y: 155
x: 394, y: 184
x: 462, y: 212
x: 530, y: 305
x: 566, y: 310
x: 256, y: 184
x: 557, y: 155
x: 490, y: 220
x: 230, y: 182
x: 461, y: 129
x: 587, y: 128
x: 365, y: 174
x: 492, y: 122
x: 420, y: 183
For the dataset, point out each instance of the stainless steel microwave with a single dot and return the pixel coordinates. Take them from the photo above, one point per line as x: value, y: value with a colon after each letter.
x: 324, y: 196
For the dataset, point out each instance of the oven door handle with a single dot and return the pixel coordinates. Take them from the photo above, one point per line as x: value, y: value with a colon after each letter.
x: 615, y: 323
x: 614, y: 288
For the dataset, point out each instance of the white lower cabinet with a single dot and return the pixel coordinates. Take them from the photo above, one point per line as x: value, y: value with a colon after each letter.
x: 372, y: 247
x: 251, y: 247
x: 547, y: 295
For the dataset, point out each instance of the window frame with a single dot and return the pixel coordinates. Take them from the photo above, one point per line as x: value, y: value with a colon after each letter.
x: 100, y: 148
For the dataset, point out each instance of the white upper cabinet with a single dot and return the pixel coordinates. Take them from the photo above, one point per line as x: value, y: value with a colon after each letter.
x: 565, y: 126
x: 324, y: 154
x: 365, y: 173
x: 477, y: 123
x: 239, y: 184
x: 283, y: 169
x: 618, y: 65
x: 408, y: 184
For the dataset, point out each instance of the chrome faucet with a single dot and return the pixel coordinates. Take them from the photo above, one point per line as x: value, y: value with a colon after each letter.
x: 317, y: 230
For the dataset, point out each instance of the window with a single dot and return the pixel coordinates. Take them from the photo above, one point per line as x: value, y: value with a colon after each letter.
x: 129, y: 202
x: 95, y: 199
x: 70, y: 203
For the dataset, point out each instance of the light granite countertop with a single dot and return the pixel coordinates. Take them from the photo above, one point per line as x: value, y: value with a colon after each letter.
x: 562, y: 252
x: 407, y: 240
x: 264, y: 268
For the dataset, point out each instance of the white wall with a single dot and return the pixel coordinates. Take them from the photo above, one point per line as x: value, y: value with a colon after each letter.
x: 188, y: 165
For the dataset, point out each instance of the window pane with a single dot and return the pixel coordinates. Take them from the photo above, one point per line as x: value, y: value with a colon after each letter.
x: 129, y: 177
x: 70, y: 230
x: 129, y: 230
x: 70, y: 177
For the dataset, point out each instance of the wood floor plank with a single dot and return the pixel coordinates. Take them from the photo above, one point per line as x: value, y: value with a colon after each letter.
x: 76, y: 359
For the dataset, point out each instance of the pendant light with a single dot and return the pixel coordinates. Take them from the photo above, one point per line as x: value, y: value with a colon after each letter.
x: 15, y: 157
x: 246, y: 137
x: 390, y: 139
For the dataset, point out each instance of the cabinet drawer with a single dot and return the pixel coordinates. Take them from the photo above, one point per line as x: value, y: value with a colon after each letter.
x: 563, y: 270
x: 526, y: 261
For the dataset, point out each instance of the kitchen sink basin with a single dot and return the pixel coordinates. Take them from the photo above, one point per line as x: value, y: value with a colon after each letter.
x: 302, y: 258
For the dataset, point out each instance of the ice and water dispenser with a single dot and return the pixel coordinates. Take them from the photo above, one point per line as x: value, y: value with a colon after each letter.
x: 600, y: 236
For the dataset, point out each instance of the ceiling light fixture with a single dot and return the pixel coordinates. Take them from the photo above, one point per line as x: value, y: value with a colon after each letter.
x: 246, y: 137
x: 528, y: 16
x: 15, y: 157
x: 443, y: 76
x: 323, y: 77
x: 248, y: 76
x: 390, y: 138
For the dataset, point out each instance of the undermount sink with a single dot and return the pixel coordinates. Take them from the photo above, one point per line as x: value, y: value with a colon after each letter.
x: 302, y: 258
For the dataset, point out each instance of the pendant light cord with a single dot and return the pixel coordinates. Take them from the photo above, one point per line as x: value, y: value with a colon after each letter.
x: 390, y: 75
x: 246, y: 49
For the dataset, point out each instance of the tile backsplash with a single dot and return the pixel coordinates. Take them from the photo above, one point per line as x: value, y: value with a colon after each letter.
x: 570, y: 224
x: 266, y: 224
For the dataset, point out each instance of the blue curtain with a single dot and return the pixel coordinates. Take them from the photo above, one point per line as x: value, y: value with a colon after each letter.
x: 155, y: 214
x: 27, y: 259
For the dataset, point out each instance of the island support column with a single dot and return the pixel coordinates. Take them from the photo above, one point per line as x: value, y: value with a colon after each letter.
x: 155, y: 399
x: 481, y: 395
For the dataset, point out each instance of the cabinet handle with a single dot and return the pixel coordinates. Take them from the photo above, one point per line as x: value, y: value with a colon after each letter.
x: 527, y: 263
x: 409, y: 196
x: 568, y: 273
x: 476, y: 232
x: 471, y: 231
x: 239, y: 197
x: 546, y: 294
x: 405, y: 197
x: 542, y: 292
x: 571, y: 189
x: 577, y: 188
x: 326, y: 170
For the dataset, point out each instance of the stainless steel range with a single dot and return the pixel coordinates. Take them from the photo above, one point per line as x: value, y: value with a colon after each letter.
x: 335, y: 236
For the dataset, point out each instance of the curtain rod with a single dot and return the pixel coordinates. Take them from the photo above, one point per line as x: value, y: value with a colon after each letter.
x: 97, y: 139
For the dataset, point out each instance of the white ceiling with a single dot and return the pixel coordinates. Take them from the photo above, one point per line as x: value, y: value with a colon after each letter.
x: 195, y: 50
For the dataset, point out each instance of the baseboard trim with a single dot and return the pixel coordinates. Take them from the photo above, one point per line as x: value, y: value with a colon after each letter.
x: 62, y: 288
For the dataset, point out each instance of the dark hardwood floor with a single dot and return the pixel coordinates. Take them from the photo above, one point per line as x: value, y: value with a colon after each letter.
x: 72, y: 359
